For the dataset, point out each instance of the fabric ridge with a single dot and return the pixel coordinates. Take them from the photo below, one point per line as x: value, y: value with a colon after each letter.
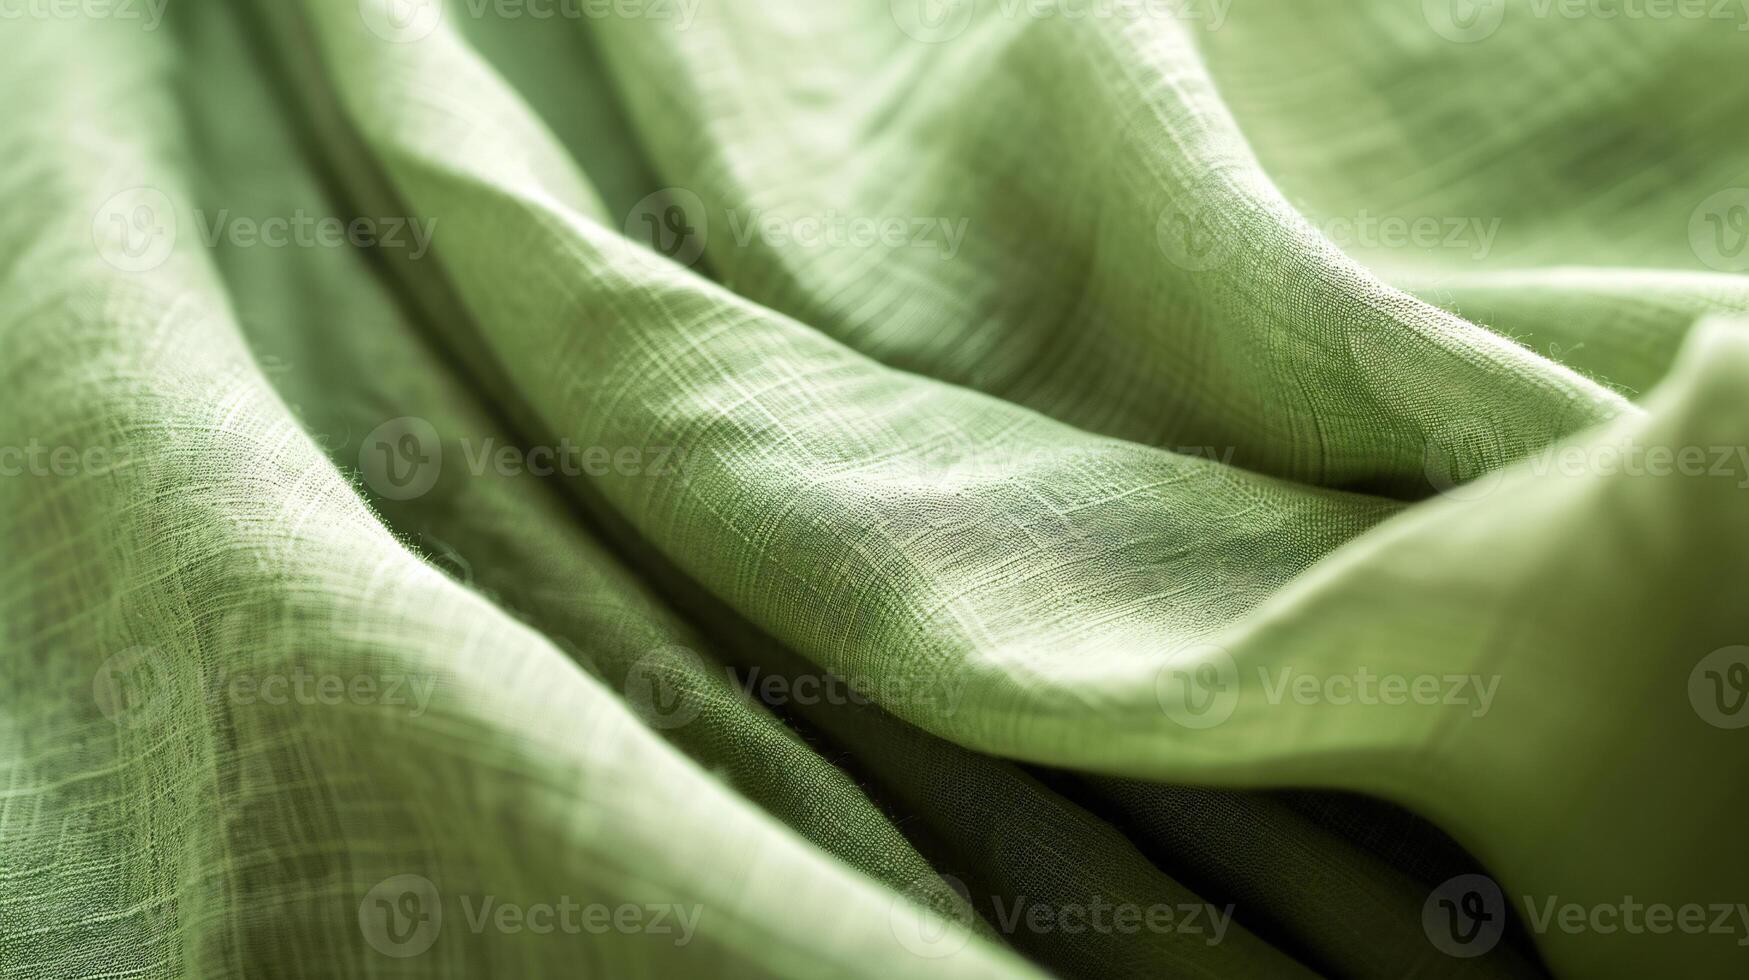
x: 964, y: 488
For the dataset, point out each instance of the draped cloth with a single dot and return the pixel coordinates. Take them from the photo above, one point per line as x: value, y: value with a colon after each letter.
x: 963, y: 488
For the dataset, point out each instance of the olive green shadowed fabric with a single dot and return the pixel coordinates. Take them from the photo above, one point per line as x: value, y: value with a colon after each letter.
x: 941, y: 488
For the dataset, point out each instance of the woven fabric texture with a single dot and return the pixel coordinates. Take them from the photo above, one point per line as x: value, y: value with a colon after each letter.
x: 962, y: 488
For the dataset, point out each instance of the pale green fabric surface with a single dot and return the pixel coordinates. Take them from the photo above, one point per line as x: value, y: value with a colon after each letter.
x: 1015, y: 491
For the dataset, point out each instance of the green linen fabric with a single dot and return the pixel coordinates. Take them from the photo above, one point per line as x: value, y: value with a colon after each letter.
x: 965, y: 488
